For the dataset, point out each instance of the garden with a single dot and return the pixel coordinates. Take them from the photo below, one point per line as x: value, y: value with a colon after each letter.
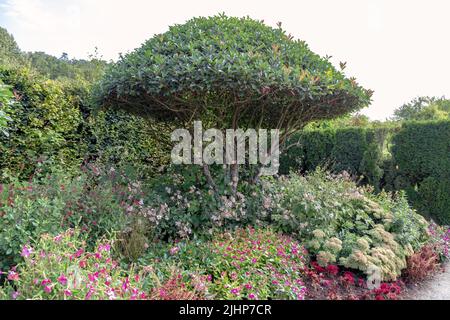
x: 92, y: 207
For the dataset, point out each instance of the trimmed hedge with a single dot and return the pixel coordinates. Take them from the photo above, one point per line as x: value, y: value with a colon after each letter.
x: 356, y: 150
x: 421, y: 153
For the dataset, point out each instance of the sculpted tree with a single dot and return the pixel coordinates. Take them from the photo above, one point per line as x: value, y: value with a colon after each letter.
x: 230, y: 73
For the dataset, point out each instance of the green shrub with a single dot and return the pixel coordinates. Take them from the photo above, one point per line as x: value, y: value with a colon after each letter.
x: 6, y: 98
x: 342, y: 223
x: 180, y: 204
x: 44, y: 126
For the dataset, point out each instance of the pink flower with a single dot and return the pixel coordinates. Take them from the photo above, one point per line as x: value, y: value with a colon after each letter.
x: 174, y: 250
x: 254, y: 260
x: 62, y: 280
x: 248, y: 286
x: 48, y: 289
x: 13, y: 276
x: 104, y: 247
x: 15, y: 294
x: 45, y: 282
x: 235, y: 291
x: 57, y: 239
x: 82, y: 264
x: 79, y: 253
x: 26, y: 251
x: 67, y: 293
x: 125, y: 284
x: 251, y: 296
x: 89, y: 294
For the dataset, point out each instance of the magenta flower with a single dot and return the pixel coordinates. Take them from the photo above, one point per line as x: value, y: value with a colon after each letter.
x: 125, y: 284
x: 174, y: 250
x: 235, y: 291
x: 48, y: 289
x: 67, y: 293
x: 251, y: 296
x: 45, y: 282
x: 62, y: 280
x: 15, y: 294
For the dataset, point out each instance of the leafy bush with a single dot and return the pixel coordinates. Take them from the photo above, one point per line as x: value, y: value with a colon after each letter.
x: 44, y: 125
x: 422, y: 264
x: 60, y: 267
x: 180, y: 204
x: 6, y: 98
x: 342, y: 223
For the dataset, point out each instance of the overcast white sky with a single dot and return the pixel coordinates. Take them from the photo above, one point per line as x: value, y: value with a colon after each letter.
x: 399, y: 48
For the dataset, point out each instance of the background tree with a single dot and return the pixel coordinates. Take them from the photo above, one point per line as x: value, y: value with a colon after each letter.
x: 10, y: 53
x: 424, y: 108
x: 230, y: 73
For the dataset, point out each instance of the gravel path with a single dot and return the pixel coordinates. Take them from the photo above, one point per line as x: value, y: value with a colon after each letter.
x: 436, y: 288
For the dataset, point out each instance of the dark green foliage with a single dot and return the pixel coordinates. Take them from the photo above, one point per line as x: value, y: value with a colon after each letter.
x: 421, y: 152
x: 357, y: 150
x: 130, y: 142
x: 212, y: 68
x: 45, y: 125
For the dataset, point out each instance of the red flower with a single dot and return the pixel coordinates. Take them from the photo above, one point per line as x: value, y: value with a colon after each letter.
x: 317, y: 267
x: 333, y: 269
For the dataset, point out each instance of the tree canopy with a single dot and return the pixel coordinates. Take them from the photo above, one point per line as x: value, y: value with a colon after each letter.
x: 235, y: 72
x: 424, y: 108
x: 9, y: 50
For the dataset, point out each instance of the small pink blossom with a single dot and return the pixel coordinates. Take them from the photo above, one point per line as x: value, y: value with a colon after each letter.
x: 62, y: 280
x: 13, y: 276
x: 48, y: 289
x: 67, y: 293
x: 26, y: 251
x: 235, y: 291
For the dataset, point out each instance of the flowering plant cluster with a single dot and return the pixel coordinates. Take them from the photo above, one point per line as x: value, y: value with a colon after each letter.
x: 334, y: 283
x: 440, y: 239
x: 60, y: 268
x: 257, y: 264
